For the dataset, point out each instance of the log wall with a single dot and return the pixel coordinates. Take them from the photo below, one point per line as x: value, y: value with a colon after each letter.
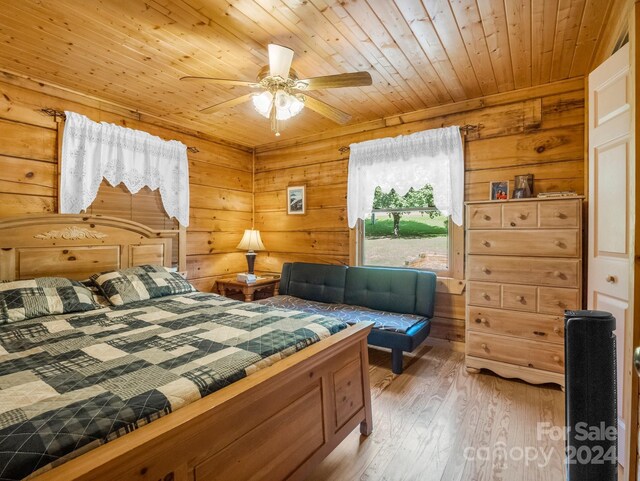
x: 220, y: 176
x: 536, y: 131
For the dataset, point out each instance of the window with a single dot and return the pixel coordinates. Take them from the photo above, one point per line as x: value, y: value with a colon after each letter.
x: 409, y: 231
x: 429, y: 167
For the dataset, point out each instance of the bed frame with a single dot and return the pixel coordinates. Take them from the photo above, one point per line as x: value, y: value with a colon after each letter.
x: 276, y: 424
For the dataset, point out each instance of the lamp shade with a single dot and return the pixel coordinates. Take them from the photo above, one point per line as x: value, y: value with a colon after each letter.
x: 251, y: 241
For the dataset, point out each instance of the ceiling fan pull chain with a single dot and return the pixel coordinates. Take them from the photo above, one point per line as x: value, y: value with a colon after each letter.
x: 273, y: 117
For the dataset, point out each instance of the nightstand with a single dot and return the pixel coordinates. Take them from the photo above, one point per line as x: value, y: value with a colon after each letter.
x: 267, y: 285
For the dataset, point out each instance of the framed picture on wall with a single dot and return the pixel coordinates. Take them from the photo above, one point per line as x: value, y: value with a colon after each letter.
x: 499, y: 190
x: 296, y: 199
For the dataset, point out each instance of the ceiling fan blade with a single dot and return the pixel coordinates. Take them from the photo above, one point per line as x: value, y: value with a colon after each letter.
x: 224, y: 81
x: 327, y: 110
x: 280, y: 59
x: 227, y: 104
x: 355, y: 79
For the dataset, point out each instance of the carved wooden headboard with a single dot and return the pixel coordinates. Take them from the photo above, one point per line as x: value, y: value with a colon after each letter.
x: 76, y: 246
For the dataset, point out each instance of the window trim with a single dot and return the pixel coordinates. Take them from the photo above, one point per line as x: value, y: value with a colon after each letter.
x: 453, y: 276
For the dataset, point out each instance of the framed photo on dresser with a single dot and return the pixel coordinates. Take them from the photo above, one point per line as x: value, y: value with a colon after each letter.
x: 499, y: 190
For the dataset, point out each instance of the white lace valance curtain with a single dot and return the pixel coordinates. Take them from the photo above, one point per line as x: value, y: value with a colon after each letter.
x: 92, y: 151
x: 430, y: 157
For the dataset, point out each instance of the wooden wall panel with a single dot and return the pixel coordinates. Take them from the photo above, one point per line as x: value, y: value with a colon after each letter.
x: 537, y: 131
x: 220, y: 178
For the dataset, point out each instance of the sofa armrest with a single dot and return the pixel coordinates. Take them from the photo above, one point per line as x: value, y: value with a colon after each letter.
x: 284, y: 278
x: 426, y: 294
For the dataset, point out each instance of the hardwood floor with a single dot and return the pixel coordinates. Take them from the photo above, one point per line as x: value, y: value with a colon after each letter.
x: 436, y: 422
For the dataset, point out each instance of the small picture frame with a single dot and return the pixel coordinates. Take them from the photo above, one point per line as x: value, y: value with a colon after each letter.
x: 524, y: 184
x: 296, y: 201
x: 499, y: 190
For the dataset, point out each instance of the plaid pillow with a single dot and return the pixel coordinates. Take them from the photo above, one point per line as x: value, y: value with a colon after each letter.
x: 140, y: 283
x: 20, y: 300
x: 98, y: 298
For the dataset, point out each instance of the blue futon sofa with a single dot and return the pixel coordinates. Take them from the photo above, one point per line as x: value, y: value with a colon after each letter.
x: 399, y: 301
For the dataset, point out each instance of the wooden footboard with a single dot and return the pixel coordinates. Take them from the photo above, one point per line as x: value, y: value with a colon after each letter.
x: 276, y: 424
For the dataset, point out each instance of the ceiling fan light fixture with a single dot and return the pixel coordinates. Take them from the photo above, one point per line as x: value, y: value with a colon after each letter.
x: 262, y: 103
x: 295, y: 104
x: 283, y: 100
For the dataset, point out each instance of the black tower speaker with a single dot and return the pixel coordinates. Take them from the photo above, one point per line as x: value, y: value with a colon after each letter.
x: 591, y: 396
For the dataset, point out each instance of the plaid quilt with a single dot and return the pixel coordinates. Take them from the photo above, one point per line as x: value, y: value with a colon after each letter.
x: 71, y: 382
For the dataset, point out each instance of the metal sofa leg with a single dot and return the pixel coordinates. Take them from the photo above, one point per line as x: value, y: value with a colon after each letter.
x: 396, y: 361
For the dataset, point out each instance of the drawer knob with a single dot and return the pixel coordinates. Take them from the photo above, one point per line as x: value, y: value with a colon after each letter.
x: 559, y: 215
x: 519, y: 298
x: 486, y: 243
x: 556, y: 358
x: 557, y: 330
x: 486, y: 296
x: 486, y: 217
x: 560, y: 304
x: 539, y: 333
x: 513, y: 224
x: 557, y: 274
x: 558, y: 243
x: 485, y: 270
x: 484, y: 346
x: 523, y: 216
x: 481, y: 320
x: 611, y: 279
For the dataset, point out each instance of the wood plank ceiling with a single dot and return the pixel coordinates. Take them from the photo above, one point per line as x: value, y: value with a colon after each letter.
x: 420, y: 53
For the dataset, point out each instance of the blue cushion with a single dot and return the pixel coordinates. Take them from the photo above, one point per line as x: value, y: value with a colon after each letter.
x: 383, y: 289
x: 317, y: 282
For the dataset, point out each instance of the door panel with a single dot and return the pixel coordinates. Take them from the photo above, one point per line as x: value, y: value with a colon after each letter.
x: 611, y: 98
x: 610, y: 188
x: 619, y: 309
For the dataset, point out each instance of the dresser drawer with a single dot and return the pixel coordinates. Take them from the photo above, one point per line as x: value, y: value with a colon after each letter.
x: 553, y: 300
x: 538, y: 355
x: 524, y: 270
x: 484, y: 216
x: 559, y: 213
x: 484, y: 294
x: 520, y: 215
x: 518, y: 324
x: 546, y: 243
x: 520, y: 298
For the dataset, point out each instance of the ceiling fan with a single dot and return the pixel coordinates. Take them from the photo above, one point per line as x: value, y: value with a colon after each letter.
x: 284, y: 93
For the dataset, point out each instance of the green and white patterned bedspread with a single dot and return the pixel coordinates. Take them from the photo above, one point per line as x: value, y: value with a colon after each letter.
x: 72, y: 382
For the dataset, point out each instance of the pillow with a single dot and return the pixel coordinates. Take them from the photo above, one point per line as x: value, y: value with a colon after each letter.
x: 140, y: 283
x: 21, y: 300
x: 98, y: 298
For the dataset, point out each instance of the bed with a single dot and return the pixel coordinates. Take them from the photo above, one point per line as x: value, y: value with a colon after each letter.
x: 275, y: 423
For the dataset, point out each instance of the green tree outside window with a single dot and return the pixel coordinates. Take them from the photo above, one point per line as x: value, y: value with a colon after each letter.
x: 413, y: 199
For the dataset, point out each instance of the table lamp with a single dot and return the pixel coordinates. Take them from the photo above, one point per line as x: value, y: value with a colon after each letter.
x: 251, y: 242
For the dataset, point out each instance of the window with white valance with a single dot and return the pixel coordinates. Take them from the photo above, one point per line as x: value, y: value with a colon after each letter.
x: 92, y: 151
x: 433, y: 157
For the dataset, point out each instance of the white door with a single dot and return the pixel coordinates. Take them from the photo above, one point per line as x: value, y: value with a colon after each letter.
x: 610, y: 158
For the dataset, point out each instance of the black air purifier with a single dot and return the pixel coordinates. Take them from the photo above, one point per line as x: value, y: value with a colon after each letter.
x: 591, y: 396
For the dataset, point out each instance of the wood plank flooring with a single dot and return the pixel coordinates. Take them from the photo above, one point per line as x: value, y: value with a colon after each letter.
x: 436, y: 422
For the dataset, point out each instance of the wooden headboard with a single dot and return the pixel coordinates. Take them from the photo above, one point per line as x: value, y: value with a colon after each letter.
x: 76, y: 246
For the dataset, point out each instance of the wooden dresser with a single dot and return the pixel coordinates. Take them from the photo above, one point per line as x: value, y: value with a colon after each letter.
x: 523, y: 269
